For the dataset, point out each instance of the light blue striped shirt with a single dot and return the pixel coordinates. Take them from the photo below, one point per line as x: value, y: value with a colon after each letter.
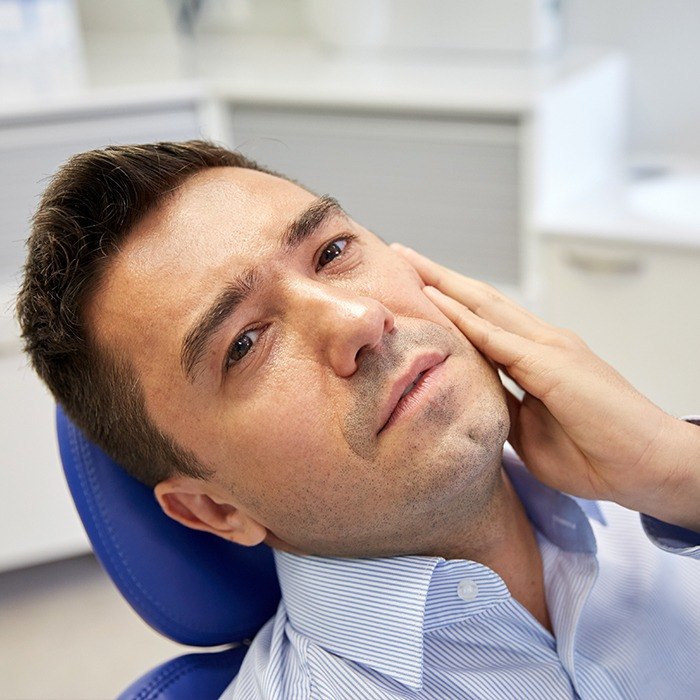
x: 624, y: 606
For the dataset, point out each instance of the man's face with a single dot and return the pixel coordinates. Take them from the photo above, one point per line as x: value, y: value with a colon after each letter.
x: 278, y: 363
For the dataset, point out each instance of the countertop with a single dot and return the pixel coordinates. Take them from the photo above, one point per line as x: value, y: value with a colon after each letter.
x: 110, y: 71
x: 611, y: 217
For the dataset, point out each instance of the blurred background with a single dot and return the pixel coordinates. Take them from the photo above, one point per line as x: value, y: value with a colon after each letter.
x: 549, y: 147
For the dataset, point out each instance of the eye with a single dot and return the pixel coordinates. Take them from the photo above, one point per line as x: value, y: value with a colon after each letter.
x: 332, y: 251
x: 241, y: 346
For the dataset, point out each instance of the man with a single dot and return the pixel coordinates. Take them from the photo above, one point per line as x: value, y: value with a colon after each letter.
x: 278, y: 373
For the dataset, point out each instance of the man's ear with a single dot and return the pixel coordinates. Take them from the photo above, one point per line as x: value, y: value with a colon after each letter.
x: 195, y: 504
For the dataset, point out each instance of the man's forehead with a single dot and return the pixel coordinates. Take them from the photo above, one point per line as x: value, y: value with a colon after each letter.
x: 241, y: 199
x: 236, y: 212
x: 210, y: 213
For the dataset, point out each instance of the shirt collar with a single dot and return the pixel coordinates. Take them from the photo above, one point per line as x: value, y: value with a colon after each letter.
x: 369, y: 611
x: 375, y: 611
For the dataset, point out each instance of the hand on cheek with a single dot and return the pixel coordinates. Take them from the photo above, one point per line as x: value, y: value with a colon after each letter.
x: 431, y: 276
x: 581, y: 427
x: 436, y: 314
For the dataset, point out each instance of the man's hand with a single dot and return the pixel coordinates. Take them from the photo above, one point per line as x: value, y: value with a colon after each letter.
x: 581, y: 427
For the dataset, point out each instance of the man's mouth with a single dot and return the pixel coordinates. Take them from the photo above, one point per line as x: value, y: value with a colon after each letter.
x: 412, y: 384
x: 408, y: 386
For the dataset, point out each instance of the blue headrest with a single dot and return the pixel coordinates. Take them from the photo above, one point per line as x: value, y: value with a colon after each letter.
x: 193, y: 587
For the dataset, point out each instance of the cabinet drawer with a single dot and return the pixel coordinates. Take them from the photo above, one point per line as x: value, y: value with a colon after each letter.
x: 38, y: 520
x: 448, y: 188
x: 636, y: 306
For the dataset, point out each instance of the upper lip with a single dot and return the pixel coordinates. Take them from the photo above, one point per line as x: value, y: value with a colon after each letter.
x: 421, y: 363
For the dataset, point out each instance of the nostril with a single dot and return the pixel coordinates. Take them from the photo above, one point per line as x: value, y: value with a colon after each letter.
x: 360, y: 352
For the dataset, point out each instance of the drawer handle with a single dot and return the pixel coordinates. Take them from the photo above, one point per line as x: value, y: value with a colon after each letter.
x: 595, y: 265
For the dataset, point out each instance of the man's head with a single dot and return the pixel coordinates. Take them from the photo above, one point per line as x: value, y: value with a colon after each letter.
x: 239, y: 343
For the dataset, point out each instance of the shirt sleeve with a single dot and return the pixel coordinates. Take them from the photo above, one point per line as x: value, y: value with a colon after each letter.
x: 672, y: 538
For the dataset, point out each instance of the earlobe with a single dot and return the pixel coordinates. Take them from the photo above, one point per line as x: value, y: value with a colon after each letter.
x: 246, y: 531
x: 185, y: 500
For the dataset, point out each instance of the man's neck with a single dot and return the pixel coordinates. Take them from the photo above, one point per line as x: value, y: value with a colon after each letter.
x: 504, y: 540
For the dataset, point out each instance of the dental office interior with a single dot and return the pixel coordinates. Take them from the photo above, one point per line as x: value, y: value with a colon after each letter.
x: 551, y: 148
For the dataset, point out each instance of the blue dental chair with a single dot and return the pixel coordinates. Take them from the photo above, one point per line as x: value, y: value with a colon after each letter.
x: 194, y: 588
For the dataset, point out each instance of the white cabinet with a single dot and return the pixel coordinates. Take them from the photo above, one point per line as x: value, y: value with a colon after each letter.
x: 38, y: 521
x: 636, y: 306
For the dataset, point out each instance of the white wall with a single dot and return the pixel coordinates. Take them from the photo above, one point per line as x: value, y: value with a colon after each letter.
x: 662, y: 39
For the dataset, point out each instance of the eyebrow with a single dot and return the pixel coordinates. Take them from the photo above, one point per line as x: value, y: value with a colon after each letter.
x: 199, y: 336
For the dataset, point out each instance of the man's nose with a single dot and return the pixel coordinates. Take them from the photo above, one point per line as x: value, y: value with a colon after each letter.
x: 343, y: 324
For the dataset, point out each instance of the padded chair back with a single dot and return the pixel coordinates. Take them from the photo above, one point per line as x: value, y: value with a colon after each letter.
x: 193, y: 587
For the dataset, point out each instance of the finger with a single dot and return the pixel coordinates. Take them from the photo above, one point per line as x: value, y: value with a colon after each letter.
x: 432, y: 273
x: 490, y: 303
x: 483, y: 299
x: 523, y: 360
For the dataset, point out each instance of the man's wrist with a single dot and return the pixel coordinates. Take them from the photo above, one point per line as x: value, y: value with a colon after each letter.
x: 676, y: 497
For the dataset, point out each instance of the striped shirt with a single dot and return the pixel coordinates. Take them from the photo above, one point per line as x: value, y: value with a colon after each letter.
x: 624, y: 608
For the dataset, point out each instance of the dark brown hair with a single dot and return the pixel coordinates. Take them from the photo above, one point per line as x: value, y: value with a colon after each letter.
x: 88, y: 209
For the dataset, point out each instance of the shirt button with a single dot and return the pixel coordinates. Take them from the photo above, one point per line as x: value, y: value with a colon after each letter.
x: 467, y: 589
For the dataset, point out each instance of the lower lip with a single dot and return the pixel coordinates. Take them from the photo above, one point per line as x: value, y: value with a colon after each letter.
x: 421, y: 393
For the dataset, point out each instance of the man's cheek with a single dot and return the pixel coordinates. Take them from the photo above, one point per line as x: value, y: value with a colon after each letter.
x: 403, y: 271
x: 407, y: 296
x: 400, y: 289
x: 434, y: 314
x: 439, y: 317
x: 300, y: 429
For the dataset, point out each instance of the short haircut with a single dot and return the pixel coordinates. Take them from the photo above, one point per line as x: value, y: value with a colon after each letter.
x: 85, y: 214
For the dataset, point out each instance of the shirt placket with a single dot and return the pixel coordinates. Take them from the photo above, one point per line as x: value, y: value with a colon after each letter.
x: 569, y: 580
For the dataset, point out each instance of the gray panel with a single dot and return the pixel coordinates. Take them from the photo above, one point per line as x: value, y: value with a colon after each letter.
x: 447, y: 188
x: 30, y: 155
